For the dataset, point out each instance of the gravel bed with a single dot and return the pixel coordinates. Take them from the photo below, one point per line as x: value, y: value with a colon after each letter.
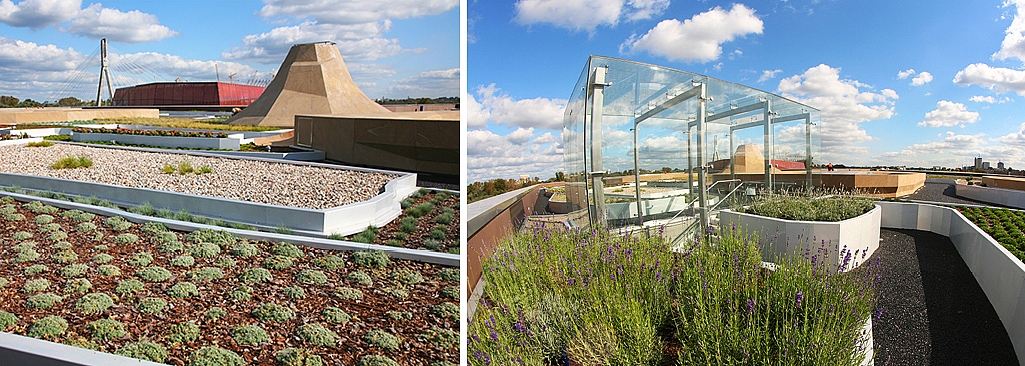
x: 244, y: 180
x: 933, y: 310
x: 941, y: 192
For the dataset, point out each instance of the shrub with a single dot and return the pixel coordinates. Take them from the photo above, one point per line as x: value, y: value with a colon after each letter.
x: 108, y: 270
x: 335, y: 315
x: 74, y: 270
x: 375, y: 258
x: 102, y: 258
x: 242, y: 293
x: 151, y: 305
x: 317, y: 335
x: 255, y: 275
x: 183, y: 332
x: 287, y: 249
x: 444, y: 218
x: 43, y: 143
x: 382, y: 339
x: 126, y: 238
x: 27, y: 255
x: 432, y: 244
x: 348, y: 293
x: 249, y: 335
x: 438, y: 234
x: 154, y: 274
x: 43, y: 301
x: 446, y: 310
x: 400, y: 235
x: 47, y: 327
x: 148, y: 351
x: 118, y: 223
x: 140, y: 259
x: 366, y: 236
x: 219, y: 237
x: 449, y: 275
x: 329, y: 262
x: 36, y: 285
x: 36, y: 269
x: 272, y: 312
x: 407, y: 276
x: 440, y: 337
x: 106, y: 329
x: 43, y: 219
x: 94, y: 303
x: 295, y: 292
x: 376, y: 360
x: 451, y: 292
x: 311, y: 277
x: 360, y: 277
x: 809, y: 207
x: 21, y: 235
x: 183, y: 261
x: 183, y: 290
x: 129, y: 286
x: 153, y: 227
x: 297, y: 357
x: 277, y: 262
x: 393, y: 243
x: 7, y: 320
x: 406, y: 203
x: 204, y: 250
x: 244, y: 250
x: 72, y: 162
x: 215, y: 356
x: 207, y: 273
x: 225, y: 262
x: 215, y: 313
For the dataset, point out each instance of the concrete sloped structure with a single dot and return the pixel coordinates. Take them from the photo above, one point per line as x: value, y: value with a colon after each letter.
x: 313, y: 79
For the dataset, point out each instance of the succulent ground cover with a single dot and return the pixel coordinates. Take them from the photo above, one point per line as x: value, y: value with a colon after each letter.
x: 429, y: 220
x: 809, y: 206
x: 165, y: 133
x: 598, y: 298
x: 1005, y: 226
x: 127, y: 297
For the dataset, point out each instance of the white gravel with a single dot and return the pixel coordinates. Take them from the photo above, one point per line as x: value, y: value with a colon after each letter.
x: 245, y: 180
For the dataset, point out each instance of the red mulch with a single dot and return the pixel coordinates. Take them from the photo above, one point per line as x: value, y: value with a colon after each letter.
x: 368, y: 313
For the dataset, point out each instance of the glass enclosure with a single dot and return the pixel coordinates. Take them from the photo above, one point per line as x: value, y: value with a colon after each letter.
x: 691, y: 141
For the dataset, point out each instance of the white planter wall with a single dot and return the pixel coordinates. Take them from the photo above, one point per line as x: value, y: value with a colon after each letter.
x: 999, y: 273
x: 232, y: 142
x: 780, y: 237
x: 999, y: 196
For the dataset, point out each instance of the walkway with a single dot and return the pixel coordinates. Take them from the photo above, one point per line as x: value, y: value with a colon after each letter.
x: 933, y: 310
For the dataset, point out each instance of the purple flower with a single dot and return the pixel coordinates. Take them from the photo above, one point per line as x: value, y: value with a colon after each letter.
x: 494, y: 336
x: 519, y: 327
x: 800, y: 296
x: 750, y: 305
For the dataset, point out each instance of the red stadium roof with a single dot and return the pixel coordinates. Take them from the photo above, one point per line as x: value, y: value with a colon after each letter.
x: 188, y: 93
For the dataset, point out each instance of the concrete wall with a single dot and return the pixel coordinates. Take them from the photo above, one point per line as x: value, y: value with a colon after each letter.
x: 1005, y: 182
x: 20, y: 141
x: 999, y: 273
x: 791, y: 238
x: 232, y: 142
x: 14, y: 116
x: 999, y: 196
x: 21, y: 350
x: 391, y: 142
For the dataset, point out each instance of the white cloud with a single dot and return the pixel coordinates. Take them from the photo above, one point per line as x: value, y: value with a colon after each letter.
x: 904, y: 74
x: 354, y: 11
x: 1016, y: 138
x: 1013, y: 45
x: 993, y: 78
x: 768, y: 74
x: 922, y: 78
x: 434, y: 83
x: 490, y: 155
x: 542, y: 113
x: 581, y: 15
x: 843, y: 106
x: 952, y: 143
x: 948, y: 114
x: 359, y: 42
x: 698, y: 39
x: 38, y: 14
x: 131, y: 27
x: 94, y: 21
x: 17, y: 55
x: 983, y: 99
x: 476, y: 114
x: 176, y: 66
x: 521, y: 135
x: 952, y: 150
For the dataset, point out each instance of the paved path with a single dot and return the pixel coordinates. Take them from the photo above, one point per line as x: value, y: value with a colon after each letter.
x: 933, y: 310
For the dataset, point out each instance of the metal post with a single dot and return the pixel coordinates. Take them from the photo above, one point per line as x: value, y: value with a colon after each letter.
x: 598, y: 99
x: 103, y: 69
x: 733, y: 155
x: 807, y: 147
x: 637, y: 181
x: 702, y: 189
x: 767, y: 120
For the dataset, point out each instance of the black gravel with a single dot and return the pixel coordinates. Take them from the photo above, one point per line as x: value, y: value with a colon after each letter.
x: 933, y: 310
x: 942, y: 192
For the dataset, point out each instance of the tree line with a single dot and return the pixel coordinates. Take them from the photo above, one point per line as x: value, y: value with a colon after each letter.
x: 10, y: 101
x: 477, y: 191
x: 441, y: 100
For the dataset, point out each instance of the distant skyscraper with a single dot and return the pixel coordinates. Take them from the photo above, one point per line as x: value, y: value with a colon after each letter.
x: 978, y: 163
x: 985, y: 165
x: 1000, y: 165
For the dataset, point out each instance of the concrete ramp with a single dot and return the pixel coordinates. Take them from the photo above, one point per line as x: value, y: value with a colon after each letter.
x: 313, y: 79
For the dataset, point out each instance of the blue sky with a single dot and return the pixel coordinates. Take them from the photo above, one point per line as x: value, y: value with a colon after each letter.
x: 898, y: 83
x: 393, y: 49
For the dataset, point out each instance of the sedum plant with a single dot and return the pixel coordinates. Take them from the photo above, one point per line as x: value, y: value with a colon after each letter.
x: 297, y: 357
x: 147, y: 351
x: 215, y: 356
x: 382, y: 339
x: 249, y: 335
x: 94, y: 303
x: 317, y: 335
x: 272, y: 312
x: 373, y: 259
x: 183, y: 332
x: 49, y: 326
x: 106, y: 329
